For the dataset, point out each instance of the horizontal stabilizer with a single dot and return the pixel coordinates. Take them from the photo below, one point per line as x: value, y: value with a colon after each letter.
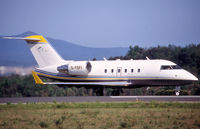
x: 33, y: 38
x: 20, y: 38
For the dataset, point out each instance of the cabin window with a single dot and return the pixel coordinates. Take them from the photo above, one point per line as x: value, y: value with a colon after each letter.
x: 138, y: 70
x: 112, y: 70
x: 125, y: 70
x: 119, y: 70
x: 105, y: 70
x: 132, y: 70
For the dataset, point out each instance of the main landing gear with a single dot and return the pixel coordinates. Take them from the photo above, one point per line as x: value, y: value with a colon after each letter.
x: 99, y: 91
x: 102, y: 91
x: 117, y: 92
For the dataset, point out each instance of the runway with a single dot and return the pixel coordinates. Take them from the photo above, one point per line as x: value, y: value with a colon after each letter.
x: 100, y: 99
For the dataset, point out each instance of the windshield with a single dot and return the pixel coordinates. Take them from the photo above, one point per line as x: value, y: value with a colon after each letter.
x: 169, y: 67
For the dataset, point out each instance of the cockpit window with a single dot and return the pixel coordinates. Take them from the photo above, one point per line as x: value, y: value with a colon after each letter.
x: 176, y: 67
x: 165, y: 67
x: 169, y: 67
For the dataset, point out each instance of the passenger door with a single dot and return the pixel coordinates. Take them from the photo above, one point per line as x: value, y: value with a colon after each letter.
x: 119, y: 71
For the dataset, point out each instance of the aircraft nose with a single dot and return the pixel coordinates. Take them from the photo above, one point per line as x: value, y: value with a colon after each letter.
x: 192, y: 77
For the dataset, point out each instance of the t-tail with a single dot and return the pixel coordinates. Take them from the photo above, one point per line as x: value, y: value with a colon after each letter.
x: 44, y: 53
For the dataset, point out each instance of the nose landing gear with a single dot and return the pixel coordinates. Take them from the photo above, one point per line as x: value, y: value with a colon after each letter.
x: 177, y: 90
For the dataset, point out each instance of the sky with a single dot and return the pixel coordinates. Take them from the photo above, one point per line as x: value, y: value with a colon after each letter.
x: 105, y: 23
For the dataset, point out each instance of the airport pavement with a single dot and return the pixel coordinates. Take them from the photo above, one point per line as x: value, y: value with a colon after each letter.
x: 101, y: 99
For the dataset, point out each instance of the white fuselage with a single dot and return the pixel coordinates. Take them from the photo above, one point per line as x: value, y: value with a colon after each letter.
x: 102, y: 73
x: 137, y: 72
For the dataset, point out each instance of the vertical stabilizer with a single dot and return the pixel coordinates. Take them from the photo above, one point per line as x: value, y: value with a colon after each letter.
x: 43, y: 52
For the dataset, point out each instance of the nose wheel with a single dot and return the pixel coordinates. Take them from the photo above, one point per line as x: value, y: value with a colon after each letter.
x: 177, y: 90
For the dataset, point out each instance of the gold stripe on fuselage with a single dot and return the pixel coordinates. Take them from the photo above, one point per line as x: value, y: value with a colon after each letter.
x: 88, y: 78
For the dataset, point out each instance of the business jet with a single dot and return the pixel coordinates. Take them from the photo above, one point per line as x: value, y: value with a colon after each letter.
x: 105, y: 73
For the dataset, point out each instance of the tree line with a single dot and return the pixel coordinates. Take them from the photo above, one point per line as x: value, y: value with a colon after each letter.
x: 187, y: 57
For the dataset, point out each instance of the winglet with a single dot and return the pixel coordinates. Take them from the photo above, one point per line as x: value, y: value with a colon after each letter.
x: 36, y: 78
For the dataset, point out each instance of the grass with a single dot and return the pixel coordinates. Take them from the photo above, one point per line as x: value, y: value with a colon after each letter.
x: 99, y: 115
x: 43, y: 124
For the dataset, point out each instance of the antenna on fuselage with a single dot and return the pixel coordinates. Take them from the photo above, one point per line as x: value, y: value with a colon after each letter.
x: 147, y: 58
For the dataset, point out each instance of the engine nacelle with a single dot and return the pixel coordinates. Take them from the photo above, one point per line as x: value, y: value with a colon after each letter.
x: 76, y: 68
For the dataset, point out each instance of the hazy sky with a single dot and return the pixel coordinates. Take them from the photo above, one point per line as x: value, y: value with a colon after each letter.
x: 105, y: 23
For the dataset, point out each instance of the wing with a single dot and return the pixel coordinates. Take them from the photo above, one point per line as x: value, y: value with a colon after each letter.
x: 116, y: 83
